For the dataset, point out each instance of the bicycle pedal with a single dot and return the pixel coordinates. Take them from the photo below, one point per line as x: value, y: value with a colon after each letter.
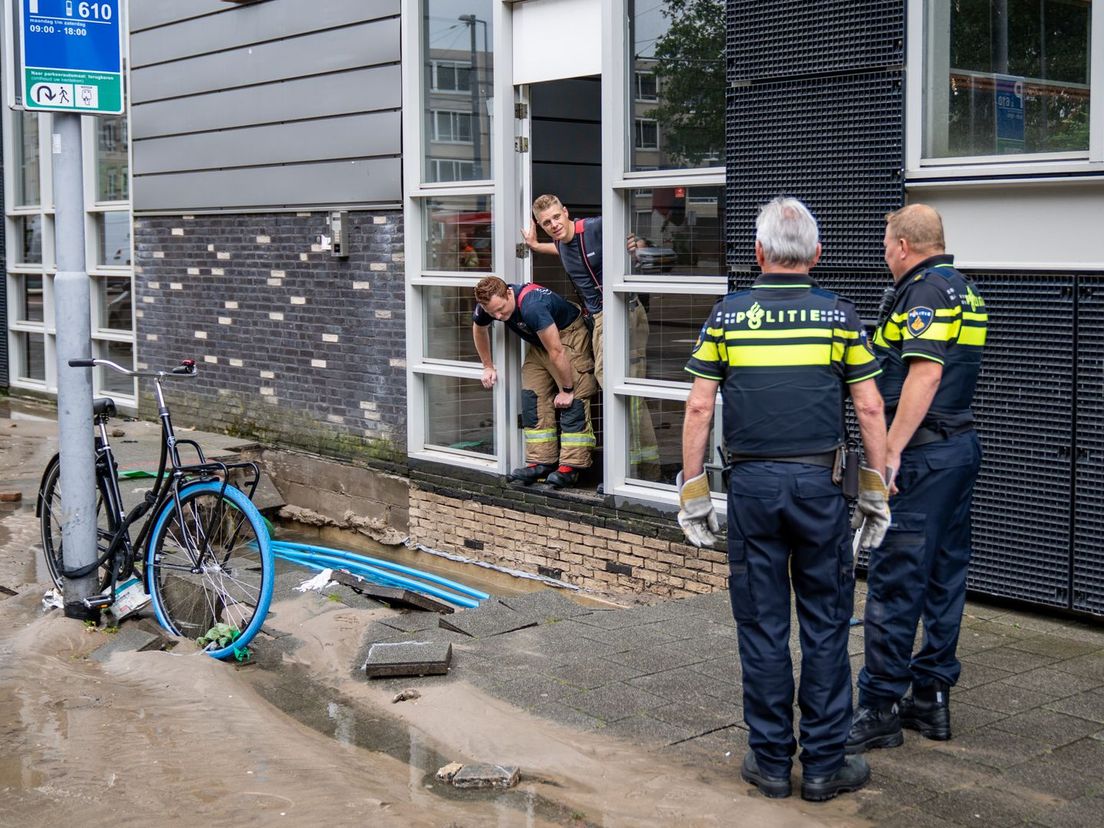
x: 97, y: 601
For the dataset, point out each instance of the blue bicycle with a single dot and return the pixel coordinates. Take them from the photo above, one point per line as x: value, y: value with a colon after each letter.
x: 207, y: 565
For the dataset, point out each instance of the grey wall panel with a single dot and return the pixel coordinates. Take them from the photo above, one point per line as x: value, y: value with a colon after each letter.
x: 374, y: 181
x: 353, y: 136
x: 274, y: 21
x: 361, y: 90
x: 574, y: 98
x: 566, y: 141
x: 348, y: 48
x: 146, y: 13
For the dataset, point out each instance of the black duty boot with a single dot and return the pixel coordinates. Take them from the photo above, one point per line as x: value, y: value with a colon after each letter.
x: 852, y: 775
x: 873, y: 728
x: 532, y: 473
x: 563, y: 477
x: 928, y: 710
x: 776, y: 787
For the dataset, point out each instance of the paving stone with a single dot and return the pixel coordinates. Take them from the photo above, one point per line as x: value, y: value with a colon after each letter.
x: 886, y: 795
x: 1052, y: 645
x: 700, y: 628
x: 627, y: 638
x: 920, y: 762
x: 589, y: 674
x: 481, y: 775
x: 688, y: 687
x: 1005, y: 697
x: 1048, y: 780
x: 913, y: 817
x: 609, y: 620
x: 545, y: 605
x: 1010, y: 659
x: 1049, y: 680
x: 1089, y: 665
x: 643, y: 729
x: 714, y: 605
x: 129, y: 639
x: 532, y: 691
x: 701, y: 719
x: 567, y: 716
x: 995, y: 748
x: 723, y: 749
x: 614, y: 701
x: 408, y: 658
x: 971, y: 641
x: 1048, y: 727
x: 975, y: 675
x: 412, y: 621
x: 648, y: 660
x: 983, y: 807
x: 1087, y: 812
x: 725, y: 668
x: 1084, y: 753
x: 1088, y: 705
x: 489, y: 619
x: 968, y: 717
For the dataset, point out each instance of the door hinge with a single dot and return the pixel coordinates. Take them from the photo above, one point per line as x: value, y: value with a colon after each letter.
x: 521, y: 111
x: 521, y: 144
x: 522, y: 250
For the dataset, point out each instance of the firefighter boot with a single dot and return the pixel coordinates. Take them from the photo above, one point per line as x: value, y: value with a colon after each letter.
x: 532, y: 473
x: 563, y: 477
x: 928, y: 710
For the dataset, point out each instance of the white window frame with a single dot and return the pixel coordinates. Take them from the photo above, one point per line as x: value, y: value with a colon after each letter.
x: 640, y: 97
x: 638, y: 124
x: 994, y: 168
x: 435, y: 67
x: 453, y: 117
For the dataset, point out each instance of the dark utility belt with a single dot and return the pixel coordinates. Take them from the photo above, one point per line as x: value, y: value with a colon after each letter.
x: 826, y: 459
x: 925, y: 435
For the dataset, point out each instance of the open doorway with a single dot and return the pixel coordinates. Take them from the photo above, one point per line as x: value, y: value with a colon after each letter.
x: 565, y: 160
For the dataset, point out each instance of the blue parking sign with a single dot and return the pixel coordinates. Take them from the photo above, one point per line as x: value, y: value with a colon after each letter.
x: 72, y: 56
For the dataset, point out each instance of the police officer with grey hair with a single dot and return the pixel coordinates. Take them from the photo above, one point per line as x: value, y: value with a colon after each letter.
x: 785, y: 352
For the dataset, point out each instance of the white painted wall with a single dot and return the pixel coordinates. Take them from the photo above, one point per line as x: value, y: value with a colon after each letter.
x: 556, y: 39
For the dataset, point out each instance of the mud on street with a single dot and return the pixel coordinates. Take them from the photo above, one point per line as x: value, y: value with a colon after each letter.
x: 299, y: 736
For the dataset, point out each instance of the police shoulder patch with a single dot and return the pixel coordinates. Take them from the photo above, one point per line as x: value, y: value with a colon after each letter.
x: 919, y: 320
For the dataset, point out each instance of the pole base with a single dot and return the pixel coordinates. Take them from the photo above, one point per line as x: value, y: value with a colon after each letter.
x: 77, y: 609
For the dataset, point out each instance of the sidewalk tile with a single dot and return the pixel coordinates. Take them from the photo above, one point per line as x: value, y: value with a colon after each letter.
x: 567, y: 716
x: 532, y: 691
x: 1050, y: 680
x: 1088, y: 705
x: 627, y: 638
x: 911, y: 818
x: 686, y: 686
x: 1084, y: 753
x: 967, y: 717
x: 726, y: 668
x: 587, y: 675
x: 1047, y: 727
x: 1081, y: 813
x: 976, y: 675
x: 613, y: 702
x: 701, y: 718
x: 1062, y: 648
x: 650, y: 660
x: 1091, y: 666
x: 1010, y: 659
x: 994, y: 748
x: 1046, y: 780
x: 978, y: 806
x: 643, y: 728
x: 1005, y: 697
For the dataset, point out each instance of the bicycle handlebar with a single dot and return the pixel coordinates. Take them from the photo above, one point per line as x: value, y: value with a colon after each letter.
x: 186, y: 368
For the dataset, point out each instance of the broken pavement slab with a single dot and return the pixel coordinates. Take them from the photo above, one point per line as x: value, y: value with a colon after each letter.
x: 480, y: 775
x: 545, y: 605
x: 129, y: 639
x: 490, y: 618
x: 396, y: 596
x: 408, y: 658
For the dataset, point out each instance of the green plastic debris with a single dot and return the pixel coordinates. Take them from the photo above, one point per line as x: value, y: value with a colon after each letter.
x: 220, y: 634
x: 137, y: 474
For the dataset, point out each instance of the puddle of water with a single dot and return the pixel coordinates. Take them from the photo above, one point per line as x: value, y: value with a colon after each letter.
x: 15, y: 775
x: 293, y: 691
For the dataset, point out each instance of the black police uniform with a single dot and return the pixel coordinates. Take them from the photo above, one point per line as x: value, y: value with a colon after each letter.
x: 920, y: 569
x: 785, y: 351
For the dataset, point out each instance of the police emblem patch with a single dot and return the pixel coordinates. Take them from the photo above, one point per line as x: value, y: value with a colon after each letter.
x: 919, y: 320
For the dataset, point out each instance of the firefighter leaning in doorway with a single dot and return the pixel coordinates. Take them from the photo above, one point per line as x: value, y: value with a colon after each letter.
x: 578, y: 243
x: 785, y: 353
x: 557, y: 376
x: 929, y: 347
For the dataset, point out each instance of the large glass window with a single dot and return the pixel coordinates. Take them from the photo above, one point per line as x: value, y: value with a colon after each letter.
x: 113, y: 239
x: 458, y: 233
x: 448, y: 324
x: 459, y: 415
x: 663, y: 332
x: 29, y: 229
x: 33, y: 364
x: 681, y: 230
x: 1006, y: 78
x: 654, y: 430
x: 32, y: 305
x: 678, y: 70
x: 458, y: 70
x: 25, y: 147
x: 116, y: 303
x: 112, y: 181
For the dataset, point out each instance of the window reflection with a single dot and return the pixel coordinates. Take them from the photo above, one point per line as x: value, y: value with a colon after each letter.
x: 678, y: 71
x: 655, y: 441
x: 457, y: 82
x: 112, y: 382
x: 113, y: 230
x: 448, y: 323
x: 30, y: 236
x: 459, y: 415
x: 116, y: 302
x: 659, y: 344
x: 1009, y: 83
x: 34, y: 357
x: 112, y: 183
x: 681, y: 230
x: 32, y: 299
x: 459, y: 233
x: 25, y: 146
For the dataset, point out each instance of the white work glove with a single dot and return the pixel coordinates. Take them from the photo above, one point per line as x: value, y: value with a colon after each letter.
x: 872, y: 509
x: 697, y: 517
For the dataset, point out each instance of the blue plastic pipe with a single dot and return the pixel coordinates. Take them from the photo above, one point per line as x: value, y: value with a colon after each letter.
x: 382, y: 564
x: 324, y: 561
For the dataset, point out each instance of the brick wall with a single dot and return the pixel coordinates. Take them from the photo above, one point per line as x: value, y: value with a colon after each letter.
x: 578, y: 538
x: 294, y: 347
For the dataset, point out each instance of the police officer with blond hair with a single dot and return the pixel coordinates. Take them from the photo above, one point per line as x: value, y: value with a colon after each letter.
x: 929, y: 348
x: 785, y: 353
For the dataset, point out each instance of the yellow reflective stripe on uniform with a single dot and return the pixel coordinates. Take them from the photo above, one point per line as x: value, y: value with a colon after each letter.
x: 936, y: 332
x: 577, y: 439
x: 858, y: 355
x: 969, y: 316
x: 948, y: 311
x: 767, y: 356
x: 703, y: 376
x: 540, y: 435
x: 788, y: 333
x: 970, y: 335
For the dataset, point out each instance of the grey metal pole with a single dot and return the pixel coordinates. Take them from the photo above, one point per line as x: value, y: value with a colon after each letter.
x: 74, y: 341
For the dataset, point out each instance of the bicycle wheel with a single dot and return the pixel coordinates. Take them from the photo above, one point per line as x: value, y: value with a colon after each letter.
x: 209, y: 563
x: 49, y: 515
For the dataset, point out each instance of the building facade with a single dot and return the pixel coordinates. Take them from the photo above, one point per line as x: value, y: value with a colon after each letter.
x: 316, y: 189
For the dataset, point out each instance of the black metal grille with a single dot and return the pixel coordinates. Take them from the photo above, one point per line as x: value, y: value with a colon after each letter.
x: 1088, y: 537
x: 782, y: 38
x: 835, y: 143
x: 1024, y: 403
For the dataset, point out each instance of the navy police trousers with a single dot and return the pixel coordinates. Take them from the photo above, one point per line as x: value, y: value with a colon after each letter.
x: 789, y: 521
x: 919, y: 572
